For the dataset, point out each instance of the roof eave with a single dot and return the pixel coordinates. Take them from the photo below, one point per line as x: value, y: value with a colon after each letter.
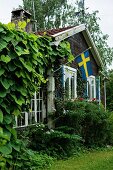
x: 93, y: 49
x: 67, y: 33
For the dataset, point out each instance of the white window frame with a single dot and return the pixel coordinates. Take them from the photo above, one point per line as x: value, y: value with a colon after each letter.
x: 25, y: 114
x: 89, y: 87
x: 69, y: 72
x: 35, y: 111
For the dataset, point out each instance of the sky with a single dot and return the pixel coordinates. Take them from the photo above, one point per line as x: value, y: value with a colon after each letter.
x: 6, y: 7
x: 105, y: 8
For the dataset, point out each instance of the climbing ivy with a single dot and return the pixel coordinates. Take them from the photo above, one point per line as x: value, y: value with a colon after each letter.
x: 24, y: 59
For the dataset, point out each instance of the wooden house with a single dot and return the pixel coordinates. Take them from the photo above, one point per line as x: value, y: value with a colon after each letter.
x: 65, y: 80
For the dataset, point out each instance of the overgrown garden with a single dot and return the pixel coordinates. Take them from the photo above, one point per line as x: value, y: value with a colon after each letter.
x: 79, y: 126
x: 24, y: 59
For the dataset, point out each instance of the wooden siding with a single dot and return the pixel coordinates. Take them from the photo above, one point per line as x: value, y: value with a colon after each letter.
x: 78, y: 45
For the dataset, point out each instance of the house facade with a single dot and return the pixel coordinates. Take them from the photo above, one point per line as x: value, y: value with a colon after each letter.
x: 66, y: 80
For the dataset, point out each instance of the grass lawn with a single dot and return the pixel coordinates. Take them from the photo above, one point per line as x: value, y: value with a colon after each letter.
x: 96, y: 160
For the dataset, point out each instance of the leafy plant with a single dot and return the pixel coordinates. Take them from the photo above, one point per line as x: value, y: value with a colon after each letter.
x: 87, y: 119
x: 23, y: 61
x: 32, y: 160
x: 54, y: 143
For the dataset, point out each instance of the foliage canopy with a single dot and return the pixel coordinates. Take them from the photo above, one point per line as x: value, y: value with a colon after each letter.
x: 55, y: 14
x: 109, y: 91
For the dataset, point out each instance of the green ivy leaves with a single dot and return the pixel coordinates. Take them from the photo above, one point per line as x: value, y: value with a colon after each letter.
x: 24, y: 59
x: 3, y: 93
x: 1, y: 29
x: 1, y: 116
x: 6, y: 149
x: 8, y: 119
x: 3, y: 44
x: 5, y: 59
x: 21, y: 51
x: 5, y: 83
x: 1, y: 71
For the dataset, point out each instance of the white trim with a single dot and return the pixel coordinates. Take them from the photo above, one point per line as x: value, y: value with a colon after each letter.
x: 70, y: 68
x: 74, y: 72
x: 89, y: 79
x: 25, y: 120
x: 35, y: 106
x: 70, y: 31
x: 35, y: 113
x: 67, y: 33
x: 94, y: 50
x: 99, y: 92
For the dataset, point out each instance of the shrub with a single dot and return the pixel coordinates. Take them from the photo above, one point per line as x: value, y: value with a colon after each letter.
x: 73, y: 119
x: 28, y: 159
x: 110, y: 129
x: 87, y: 119
x: 62, y: 144
x: 51, y: 142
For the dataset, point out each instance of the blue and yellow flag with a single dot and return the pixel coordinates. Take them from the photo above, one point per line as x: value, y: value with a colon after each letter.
x: 84, y: 63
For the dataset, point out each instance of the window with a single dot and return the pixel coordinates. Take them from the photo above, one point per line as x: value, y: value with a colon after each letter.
x: 35, y: 114
x: 70, y: 82
x: 22, y: 120
x: 91, y: 87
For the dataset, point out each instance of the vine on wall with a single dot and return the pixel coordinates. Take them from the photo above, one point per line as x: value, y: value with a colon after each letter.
x: 24, y: 59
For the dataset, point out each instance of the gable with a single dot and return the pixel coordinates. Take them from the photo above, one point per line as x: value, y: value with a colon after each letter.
x: 61, y: 34
x: 78, y: 45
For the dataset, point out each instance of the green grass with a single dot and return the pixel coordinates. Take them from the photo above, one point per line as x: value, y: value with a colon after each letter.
x: 96, y: 160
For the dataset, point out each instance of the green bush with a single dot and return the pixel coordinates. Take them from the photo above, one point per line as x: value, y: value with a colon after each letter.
x: 27, y: 159
x: 87, y: 119
x: 78, y: 124
x: 60, y: 144
x: 51, y: 142
x: 110, y: 129
x: 31, y: 160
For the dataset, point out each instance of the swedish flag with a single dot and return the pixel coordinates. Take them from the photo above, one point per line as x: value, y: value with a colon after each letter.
x: 84, y: 63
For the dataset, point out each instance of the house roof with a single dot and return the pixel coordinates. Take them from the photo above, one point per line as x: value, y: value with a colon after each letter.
x: 63, y: 33
x: 20, y: 9
x: 53, y: 32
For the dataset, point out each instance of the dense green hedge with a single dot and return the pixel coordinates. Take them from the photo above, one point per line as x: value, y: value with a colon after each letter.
x: 78, y: 124
x: 87, y: 119
x: 54, y: 143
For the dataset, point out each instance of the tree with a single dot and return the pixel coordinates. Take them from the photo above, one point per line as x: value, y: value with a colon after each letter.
x: 91, y: 22
x: 109, y: 91
x: 49, y: 13
x: 58, y: 13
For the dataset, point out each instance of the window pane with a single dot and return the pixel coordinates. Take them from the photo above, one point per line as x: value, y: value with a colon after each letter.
x: 72, y: 87
x: 40, y: 92
x: 32, y: 105
x: 33, y: 118
x: 35, y: 113
x: 30, y: 118
x: 92, y: 91
x: 92, y: 87
x: 39, y: 116
x: 40, y: 105
x: 70, y: 80
x: 21, y: 120
x: 89, y: 90
x: 38, y: 108
x: 67, y: 87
